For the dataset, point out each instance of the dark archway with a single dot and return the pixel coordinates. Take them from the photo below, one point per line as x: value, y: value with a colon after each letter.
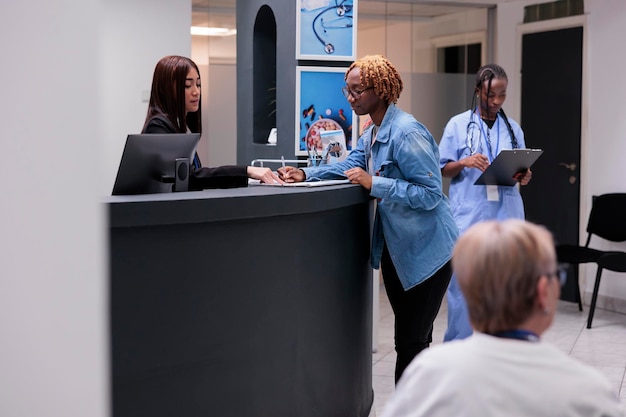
x: 264, y: 74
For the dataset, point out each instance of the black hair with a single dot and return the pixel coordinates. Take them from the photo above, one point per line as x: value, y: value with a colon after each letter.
x: 487, y: 73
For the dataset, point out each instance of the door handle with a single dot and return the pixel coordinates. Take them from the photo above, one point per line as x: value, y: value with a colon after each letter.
x: 571, y: 167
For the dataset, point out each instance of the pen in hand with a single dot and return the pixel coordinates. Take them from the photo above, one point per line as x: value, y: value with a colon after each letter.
x: 282, y: 161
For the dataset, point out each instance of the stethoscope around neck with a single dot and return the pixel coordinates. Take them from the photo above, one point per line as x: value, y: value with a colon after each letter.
x: 473, y: 129
x: 342, y: 11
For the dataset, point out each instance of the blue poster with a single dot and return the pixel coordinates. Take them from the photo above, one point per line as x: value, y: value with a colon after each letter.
x: 326, y: 30
x: 322, y: 107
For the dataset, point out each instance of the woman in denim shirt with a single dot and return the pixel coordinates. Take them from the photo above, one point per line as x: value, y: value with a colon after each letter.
x: 397, y: 160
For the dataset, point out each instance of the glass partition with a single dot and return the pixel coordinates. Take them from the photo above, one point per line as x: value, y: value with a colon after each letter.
x: 215, y: 52
x: 437, y: 50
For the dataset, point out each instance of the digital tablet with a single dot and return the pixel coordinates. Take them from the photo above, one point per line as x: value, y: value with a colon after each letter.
x: 508, y: 163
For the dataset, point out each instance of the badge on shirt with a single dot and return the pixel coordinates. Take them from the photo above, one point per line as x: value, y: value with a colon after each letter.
x: 492, y: 193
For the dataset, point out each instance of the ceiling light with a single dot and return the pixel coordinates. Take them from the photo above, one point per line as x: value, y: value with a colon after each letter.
x: 211, y: 31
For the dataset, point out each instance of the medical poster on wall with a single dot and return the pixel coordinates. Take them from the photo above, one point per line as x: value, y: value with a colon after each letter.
x: 326, y: 30
x: 324, y: 118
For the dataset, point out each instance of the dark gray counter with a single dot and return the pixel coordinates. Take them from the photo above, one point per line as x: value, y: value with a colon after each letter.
x: 243, y: 302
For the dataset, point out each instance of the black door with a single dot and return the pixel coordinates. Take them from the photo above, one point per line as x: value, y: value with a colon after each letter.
x: 551, y: 120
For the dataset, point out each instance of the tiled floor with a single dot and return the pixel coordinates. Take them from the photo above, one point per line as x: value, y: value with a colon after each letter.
x: 603, y: 346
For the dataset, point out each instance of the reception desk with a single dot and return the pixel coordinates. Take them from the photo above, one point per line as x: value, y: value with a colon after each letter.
x: 244, y: 302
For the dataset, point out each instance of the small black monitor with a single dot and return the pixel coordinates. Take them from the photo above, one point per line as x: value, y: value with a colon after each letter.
x: 149, y: 162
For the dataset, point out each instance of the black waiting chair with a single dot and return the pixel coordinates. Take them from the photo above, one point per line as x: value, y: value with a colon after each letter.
x: 607, y: 220
x: 613, y: 261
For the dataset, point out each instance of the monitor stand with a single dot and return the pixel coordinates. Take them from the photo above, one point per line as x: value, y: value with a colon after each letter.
x: 181, y: 175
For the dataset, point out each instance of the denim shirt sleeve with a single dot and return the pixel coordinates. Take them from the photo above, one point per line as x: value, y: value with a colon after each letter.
x: 410, y: 175
x: 356, y: 158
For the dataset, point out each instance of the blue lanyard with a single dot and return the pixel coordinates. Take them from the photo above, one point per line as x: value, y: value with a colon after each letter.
x: 488, y: 139
x: 196, y: 161
x: 518, y: 334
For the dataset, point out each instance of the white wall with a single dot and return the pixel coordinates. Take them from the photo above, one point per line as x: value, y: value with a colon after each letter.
x: 73, y: 74
x: 221, y: 116
x: 603, y: 143
x: 606, y: 91
x: 53, y: 353
x: 217, y: 60
x: 391, y: 38
x: 606, y: 147
x: 135, y: 35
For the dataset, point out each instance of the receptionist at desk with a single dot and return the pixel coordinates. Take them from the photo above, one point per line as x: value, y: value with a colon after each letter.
x: 175, y: 107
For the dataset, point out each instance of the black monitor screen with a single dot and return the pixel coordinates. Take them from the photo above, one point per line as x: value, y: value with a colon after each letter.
x: 149, y: 161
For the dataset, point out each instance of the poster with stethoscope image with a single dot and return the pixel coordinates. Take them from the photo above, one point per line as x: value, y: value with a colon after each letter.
x: 322, y: 113
x: 326, y: 30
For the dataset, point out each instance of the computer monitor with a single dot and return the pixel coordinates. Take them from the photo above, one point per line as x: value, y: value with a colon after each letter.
x: 154, y: 163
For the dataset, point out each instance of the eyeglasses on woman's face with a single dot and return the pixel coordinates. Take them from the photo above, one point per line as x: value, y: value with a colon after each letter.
x: 356, y: 94
x: 560, y: 274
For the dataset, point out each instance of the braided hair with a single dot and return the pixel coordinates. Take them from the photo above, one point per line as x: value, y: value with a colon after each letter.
x: 486, y: 73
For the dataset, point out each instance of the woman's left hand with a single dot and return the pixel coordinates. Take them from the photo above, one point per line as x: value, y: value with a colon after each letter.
x: 524, y: 177
x: 359, y: 176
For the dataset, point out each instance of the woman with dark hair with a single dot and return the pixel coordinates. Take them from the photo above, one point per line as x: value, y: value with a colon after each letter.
x: 175, y: 107
x: 396, y: 160
x: 470, y: 142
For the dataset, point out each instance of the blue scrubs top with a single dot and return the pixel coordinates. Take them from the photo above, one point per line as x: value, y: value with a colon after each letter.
x: 464, y: 135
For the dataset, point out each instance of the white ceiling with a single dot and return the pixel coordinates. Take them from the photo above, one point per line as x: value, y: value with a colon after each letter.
x: 222, y: 12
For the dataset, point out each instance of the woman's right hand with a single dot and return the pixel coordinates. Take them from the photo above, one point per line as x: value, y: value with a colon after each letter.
x: 477, y: 160
x: 291, y: 174
x: 262, y: 174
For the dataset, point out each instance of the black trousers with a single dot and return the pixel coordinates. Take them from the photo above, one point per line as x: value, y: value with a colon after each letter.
x: 415, y: 310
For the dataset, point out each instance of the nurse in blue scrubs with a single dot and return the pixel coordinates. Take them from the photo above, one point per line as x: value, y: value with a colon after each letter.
x: 471, y: 141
